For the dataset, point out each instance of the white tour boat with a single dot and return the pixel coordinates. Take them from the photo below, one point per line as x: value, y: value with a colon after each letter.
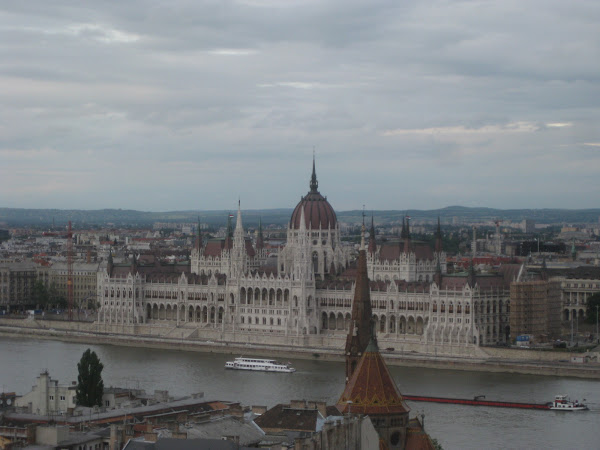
x: 264, y: 365
x: 562, y: 403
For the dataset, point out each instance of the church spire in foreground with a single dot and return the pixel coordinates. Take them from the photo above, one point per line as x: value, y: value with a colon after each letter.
x: 360, y: 324
x: 371, y: 391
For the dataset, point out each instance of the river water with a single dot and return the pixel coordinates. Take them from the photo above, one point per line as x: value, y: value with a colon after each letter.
x: 454, y: 426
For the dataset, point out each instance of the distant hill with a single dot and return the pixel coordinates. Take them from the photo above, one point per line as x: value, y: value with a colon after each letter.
x: 127, y: 217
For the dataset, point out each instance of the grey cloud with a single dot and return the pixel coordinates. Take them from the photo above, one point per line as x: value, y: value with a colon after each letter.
x: 194, y: 95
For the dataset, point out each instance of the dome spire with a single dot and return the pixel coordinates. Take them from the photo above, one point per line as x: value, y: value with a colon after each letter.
x: 314, y: 184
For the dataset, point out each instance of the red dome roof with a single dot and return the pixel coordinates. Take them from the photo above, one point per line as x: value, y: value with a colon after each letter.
x: 318, y: 213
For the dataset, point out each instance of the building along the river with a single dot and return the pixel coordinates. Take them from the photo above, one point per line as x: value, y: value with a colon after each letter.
x: 233, y: 291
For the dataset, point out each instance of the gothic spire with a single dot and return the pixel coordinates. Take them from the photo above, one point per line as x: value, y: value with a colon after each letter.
x: 314, y: 184
x: 438, y: 237
x: 260, y: 242
x: 238, y: 223
x: 437, y: 277
x: 471, y: 278
x: 198, y: 243
x: 403, y: 232
x: 228, y: 234
x: 110, y: 265
x: 407, y: 235
x: 133, y: 264
x: 372, y: 242
x: 359, y: 333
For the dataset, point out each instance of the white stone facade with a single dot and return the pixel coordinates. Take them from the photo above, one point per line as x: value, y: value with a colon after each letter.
x: 228, y: 288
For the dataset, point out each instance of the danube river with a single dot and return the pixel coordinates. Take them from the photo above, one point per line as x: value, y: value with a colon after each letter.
x: 455, y: 426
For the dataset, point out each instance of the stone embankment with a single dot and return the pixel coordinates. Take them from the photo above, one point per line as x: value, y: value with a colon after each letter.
x: 487, y: 359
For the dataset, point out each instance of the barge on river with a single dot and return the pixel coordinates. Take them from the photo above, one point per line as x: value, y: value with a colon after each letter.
x: 560, y: 403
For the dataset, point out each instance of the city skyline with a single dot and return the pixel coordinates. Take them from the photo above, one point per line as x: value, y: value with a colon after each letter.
x: 184, y: 106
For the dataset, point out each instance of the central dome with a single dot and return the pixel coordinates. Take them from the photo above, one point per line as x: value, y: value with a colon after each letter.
x: 318, y: 213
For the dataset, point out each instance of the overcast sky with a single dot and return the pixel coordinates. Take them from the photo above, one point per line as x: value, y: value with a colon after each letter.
x: 178, y: 105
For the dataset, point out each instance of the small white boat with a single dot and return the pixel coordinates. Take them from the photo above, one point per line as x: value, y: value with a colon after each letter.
x: 562, y: 403
x: 264, y: 365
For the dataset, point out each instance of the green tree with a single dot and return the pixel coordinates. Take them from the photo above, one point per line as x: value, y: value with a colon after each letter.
x: 590, y: 313
x: 40, y: 295
x: 90, y: 386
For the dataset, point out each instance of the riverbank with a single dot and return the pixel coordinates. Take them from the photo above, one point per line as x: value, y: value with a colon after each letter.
x: 492, y: 359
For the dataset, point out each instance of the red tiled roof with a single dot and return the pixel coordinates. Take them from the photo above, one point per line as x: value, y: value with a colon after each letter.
x: 391, y: 251
x: 214, y: 248
x: 416, y: 438
x: 371, y: 389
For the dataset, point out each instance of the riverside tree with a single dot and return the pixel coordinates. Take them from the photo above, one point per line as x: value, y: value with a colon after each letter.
x: 592, y: 301
x: 90, y: 386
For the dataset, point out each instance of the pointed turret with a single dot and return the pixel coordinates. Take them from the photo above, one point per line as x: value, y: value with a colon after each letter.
x: 573, y: 250
x: 437, y: 277
x: 438, y: 237
x: 134, y: 264
x: 360, y: 328
x: 372, y: 242
x: 314, y: 184
x: 472, y: 277
x: 407, y: 236
x: 228, y: 235
x: 238, y: 223
x: 302, y: 226
x: 110, y: 265
x: 198, y: 242
x: 260, y: 242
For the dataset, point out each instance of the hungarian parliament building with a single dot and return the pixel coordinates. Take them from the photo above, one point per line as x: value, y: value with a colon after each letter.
x: 235, y: 289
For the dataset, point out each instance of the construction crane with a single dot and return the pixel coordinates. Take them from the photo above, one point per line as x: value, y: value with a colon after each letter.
x: 70, y: 271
